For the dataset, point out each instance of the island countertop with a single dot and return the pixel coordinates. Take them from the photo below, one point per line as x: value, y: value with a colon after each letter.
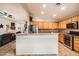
x: 23, y: 34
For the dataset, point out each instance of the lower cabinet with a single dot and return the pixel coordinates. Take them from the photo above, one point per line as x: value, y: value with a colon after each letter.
x: 76, y: 44
x: 6, y: 38
x: 61, y: 37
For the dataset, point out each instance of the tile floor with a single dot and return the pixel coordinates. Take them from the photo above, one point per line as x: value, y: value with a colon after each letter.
x: 10, y: 50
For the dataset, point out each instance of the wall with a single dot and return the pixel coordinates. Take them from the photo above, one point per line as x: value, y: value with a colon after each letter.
x: 20, y: 25
x: 20, y: 15
x: 4, y: 22
x: 15, y: 9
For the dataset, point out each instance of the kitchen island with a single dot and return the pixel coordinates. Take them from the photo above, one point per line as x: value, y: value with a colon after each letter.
x: 37, y: 44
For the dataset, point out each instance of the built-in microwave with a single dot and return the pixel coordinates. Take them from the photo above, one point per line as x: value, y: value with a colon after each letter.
x: 72, y: 25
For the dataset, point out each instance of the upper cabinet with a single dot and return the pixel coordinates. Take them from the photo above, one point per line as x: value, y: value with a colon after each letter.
x: 40, y: 25
x: 46, y: 25
x: 34, y: 23
x: 53, y: 25
x: 74, y: 18
x: 63, y: 23
x: 69, y: 20
x: 78, y: 18
x: 50, y: 26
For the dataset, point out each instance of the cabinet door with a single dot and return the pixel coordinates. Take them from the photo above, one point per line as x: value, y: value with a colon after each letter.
x: 61, y: 37
x: 45, y: 25
x: 34, y: 23
x: 60, y: 25
x: 78, y: 18
x: 56, y: 25
x: 76, y: 44
x: 74, y: 18
x: 50, y: 25
x: 41, y: 25
x: 64, y: 24
x: 69, y: 20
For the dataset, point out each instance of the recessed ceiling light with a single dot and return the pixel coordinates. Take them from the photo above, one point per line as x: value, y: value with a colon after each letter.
x: 44, y: 5
x: 5, y: 16
x: 54, y: 15
x: 42, y: 12
x: 62, y: 8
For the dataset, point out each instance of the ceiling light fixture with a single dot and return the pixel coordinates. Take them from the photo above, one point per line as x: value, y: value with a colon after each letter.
x: 44, y: 5
x: 42, y: 12
x: 54, y: 15
x: 5, y: 16
x: 62, y: 8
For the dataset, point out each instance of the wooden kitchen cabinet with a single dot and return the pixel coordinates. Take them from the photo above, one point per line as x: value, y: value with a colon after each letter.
x: 76, y: 44
x: 74, y: 18
x: 34, y: 23
x: 60, y: 25
x: 50, y: 25
x: 64, y: 24
x: 46, y: 25
x: 61, y: 38
x: 41, y: 25
x: 78, y: 18
x: 69, y: 20
x: 54, y: 25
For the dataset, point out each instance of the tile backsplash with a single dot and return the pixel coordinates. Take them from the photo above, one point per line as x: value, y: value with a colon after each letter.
x: 68, y: 30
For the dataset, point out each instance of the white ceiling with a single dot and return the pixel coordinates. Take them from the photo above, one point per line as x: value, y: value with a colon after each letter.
x: 20, y: 11
x: 16, y: 10
x: 52, y: 11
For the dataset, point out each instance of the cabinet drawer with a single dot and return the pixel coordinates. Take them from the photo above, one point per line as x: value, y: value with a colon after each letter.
x: 76, y: 40
x: 76, y: 49
x: 61, y: 38
x: 76, y: 45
